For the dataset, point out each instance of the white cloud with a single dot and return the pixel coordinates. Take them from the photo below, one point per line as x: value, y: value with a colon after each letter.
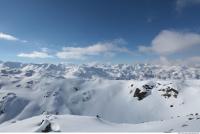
x: 169, y: 42
x: 9, y: 37
x: 4, y: 36
x: 180, y: 4
x: 162, y: 60
x: 144, y: 49
x: 106, y: 48
x: 193, y: 60
x: 35, y: 54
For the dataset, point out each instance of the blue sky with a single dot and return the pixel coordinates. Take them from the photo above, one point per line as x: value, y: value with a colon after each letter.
x: 102, y: 31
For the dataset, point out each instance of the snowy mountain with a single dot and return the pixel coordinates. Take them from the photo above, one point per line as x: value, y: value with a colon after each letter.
x: 105, y: 71
x: 140, y: 97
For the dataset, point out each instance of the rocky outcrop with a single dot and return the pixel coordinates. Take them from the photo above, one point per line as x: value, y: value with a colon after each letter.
x: 140, y: 94
x: 143, y: 91
x: 169, y: 92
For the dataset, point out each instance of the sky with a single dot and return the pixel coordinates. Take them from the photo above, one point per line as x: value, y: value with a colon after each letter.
x: 100, y: 31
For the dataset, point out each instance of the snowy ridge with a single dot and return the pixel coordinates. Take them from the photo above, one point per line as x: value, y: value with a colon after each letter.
x: 105, y: 71
x: 71, y: 92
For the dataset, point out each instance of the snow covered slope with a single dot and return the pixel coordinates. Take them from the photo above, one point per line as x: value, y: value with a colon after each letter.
x: 70, y: 123
x: 162, y: 100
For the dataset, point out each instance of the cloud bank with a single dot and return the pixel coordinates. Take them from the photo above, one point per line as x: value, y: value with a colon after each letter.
x: 104, y: 48
x: 169, y: 42
x: 35, y: 54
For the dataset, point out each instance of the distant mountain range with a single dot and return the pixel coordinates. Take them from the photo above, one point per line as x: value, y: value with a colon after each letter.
x: 105, y: 71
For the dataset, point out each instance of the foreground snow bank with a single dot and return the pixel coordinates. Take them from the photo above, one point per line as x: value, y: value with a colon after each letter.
x: 72, y: 123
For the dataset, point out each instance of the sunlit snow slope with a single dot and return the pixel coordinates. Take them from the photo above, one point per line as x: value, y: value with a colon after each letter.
x: 125, y: 97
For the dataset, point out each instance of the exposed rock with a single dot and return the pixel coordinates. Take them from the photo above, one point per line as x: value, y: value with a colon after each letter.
x: 1, y: 85
x: 139, y: 94
x: 15, y: 81
x: 18, y: 85
x: 143, y: 91
x: 47, y: 128
x: 29, y: 73
x: 148, y: 86
x: 10, y: 71
x: 190, y: 118
x: 29, y: 82
x: 158, y: 83
x: 169, y: 92
x: 184, y: 125
x: 76, y: 89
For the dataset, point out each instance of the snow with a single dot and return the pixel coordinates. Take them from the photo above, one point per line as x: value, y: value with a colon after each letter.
x: 72, y: 123
x: 128, y: 98
x: 106, y: 71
